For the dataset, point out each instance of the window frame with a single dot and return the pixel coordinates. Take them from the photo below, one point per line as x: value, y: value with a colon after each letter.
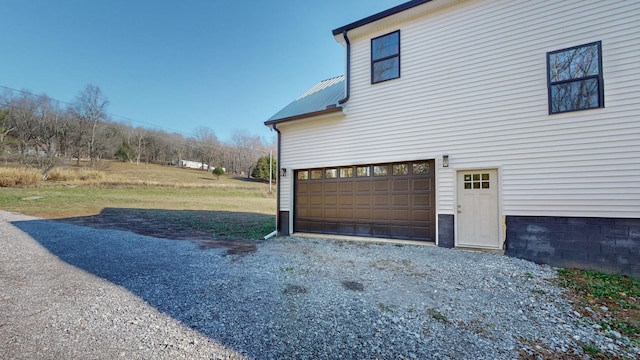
x: 385, y: 58
x: 598, y: 77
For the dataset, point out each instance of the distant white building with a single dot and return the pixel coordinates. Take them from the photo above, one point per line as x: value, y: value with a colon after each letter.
x: 193, y: 164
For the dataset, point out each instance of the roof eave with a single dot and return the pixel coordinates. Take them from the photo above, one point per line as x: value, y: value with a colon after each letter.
x: 327, y: 111
x: 379, y: 16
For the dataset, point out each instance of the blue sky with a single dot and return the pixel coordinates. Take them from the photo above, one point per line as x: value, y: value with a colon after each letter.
x: 181, y: 64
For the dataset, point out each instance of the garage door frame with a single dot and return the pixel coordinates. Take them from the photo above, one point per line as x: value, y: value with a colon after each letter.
x: 396, y: 200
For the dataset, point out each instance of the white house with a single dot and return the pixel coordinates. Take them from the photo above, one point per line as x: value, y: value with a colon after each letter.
x: 193, y: 164
x: 489, y: 124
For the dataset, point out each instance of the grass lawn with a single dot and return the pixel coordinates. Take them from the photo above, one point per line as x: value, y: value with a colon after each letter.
x: 611, y: 301
x: 189, y: 199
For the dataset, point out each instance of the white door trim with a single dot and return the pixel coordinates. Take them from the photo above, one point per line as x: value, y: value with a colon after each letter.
x: 498, y: 228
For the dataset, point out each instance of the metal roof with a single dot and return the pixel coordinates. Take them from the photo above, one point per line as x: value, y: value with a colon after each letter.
x: 323, y: 96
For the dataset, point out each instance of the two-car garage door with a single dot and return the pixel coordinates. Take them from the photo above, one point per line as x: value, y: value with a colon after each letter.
x: 394, y: 200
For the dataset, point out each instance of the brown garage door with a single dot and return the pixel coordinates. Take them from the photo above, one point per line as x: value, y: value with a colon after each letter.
x: 393, y: 200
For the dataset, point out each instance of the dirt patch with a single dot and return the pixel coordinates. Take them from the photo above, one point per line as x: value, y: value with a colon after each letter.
x: 234, y: 231
x: 233, y: 247
x: 291, y: 289
x: 353, y: 285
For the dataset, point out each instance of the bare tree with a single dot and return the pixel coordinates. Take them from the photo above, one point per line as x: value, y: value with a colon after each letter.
x: 178, y: 147
x: 206, y: 144
x: 5, y: 125
x: 139, y: 136
x: 36, y: 124
x: 5, y: 129
x: 51, y: 125
x: 91, y: 108
x: 245, y: 151
x: 65, y: 133
x: 23, y: 120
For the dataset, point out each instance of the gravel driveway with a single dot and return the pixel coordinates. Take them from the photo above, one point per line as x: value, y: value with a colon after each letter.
x: 75, y: 292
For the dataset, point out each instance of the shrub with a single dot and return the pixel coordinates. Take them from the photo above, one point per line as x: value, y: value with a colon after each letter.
x: 218, y: 171
x: 12, y: 177
x: 90, y: 175
x: 261, y: 170
x: 76, y: 175
x: 125, y: 152
x: 58, y: 174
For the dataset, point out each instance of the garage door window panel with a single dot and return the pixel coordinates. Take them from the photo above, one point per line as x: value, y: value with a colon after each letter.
x: 420, y: 168
x: 400, y: 169
x: 363, y: 171
x: 381, y: 170
x: 331, y: 173
x: 346, y: 173
x: 316, y: 174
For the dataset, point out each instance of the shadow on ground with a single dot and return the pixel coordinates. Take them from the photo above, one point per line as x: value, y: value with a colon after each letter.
x: 188, y: 282
x: 234, y: 231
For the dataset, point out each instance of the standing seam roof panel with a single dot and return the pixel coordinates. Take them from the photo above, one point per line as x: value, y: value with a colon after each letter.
x: 325, y: 93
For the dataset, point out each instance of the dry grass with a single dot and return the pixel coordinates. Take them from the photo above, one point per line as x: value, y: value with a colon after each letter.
x: 115, y: 174
x: 77, y: 175
x: 19, y: 177
x: 78, y: 191
x: 112, y: 174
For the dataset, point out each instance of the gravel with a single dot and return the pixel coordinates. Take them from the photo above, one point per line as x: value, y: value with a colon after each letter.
x: 80, y: 293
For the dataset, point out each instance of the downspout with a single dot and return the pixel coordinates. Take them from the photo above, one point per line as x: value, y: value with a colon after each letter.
x: 348, y: 89
x: 277, y: 231
x: 278, y: 166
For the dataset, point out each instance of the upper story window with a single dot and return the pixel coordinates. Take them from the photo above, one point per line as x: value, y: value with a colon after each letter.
x: 574, y: 78
x: 385, y: 57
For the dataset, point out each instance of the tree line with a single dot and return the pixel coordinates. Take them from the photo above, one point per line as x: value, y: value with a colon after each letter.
x: 38, y: 131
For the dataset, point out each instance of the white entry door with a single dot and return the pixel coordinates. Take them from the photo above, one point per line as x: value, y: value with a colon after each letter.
x: 478, y: 224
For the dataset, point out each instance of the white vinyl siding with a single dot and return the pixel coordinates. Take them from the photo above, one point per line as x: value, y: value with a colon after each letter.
x: 474, y: 86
